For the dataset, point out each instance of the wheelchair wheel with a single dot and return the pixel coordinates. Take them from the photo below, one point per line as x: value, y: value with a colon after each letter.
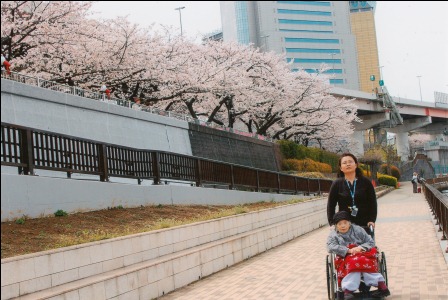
x: 330, y: 278
x: 383, y: 267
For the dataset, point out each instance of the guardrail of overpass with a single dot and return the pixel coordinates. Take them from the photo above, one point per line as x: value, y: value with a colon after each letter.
x: 29, y: 149
x: 73, y: 90
x: 438, y: 203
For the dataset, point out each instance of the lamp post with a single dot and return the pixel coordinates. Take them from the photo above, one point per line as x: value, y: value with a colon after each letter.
x: 381, y: 71
x: 332, y: 59
x: 381, y: 75
x: 419, y: 76
x: 265, y: 42
x: 180, y: 17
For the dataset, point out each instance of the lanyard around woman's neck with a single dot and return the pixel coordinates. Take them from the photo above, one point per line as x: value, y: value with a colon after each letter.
x: 352, y: 193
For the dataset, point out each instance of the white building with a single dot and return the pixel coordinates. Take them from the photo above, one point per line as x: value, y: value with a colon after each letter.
x: 310, y: 33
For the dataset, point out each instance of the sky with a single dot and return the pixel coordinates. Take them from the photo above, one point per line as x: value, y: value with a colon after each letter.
x: 412, y: 37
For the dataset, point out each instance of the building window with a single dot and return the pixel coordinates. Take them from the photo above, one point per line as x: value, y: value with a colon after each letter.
x: 313, y: 31
x: 330, y: 71
x: 310, y: 40
x: 311, y: 50
x: 336, y: 81
x: 303, y: 12
x: 314, y: 60
x: 305, y: 22
x: 316, y: 3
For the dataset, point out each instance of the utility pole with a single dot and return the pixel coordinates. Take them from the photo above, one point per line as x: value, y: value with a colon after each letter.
x: 419, y: 76
x: 180, y: 17
x: 332, y: 59
x: 265, y: 42
x: 381, y: 76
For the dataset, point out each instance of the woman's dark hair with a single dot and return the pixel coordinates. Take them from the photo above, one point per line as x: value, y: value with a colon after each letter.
x: 358, y: 171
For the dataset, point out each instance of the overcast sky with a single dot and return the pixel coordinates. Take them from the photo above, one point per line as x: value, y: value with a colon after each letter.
x: 412, y: 37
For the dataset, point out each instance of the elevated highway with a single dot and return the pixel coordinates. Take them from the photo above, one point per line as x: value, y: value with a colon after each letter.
x: 397, y: 115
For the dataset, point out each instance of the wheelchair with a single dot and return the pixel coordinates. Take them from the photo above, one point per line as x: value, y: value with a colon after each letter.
x: 335, y: 291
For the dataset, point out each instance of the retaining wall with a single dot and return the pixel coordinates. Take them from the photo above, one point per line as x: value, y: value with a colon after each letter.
x: 37, y: 196
x: 149, y: 265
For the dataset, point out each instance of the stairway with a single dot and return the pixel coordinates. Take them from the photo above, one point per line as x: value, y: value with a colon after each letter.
x: 389, y: 106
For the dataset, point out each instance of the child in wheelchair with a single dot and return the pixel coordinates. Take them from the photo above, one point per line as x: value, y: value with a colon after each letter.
x: 355, y: 257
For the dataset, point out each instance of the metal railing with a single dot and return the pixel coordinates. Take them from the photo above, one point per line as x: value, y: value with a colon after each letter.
x: 63, y: 88
x: 30, y: 149
x: 438, y: 204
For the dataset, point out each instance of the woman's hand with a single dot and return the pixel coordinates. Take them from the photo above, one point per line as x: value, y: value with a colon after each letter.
x: 371, y: 224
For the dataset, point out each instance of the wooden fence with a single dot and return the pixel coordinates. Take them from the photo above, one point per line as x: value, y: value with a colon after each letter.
x: 29, y: 149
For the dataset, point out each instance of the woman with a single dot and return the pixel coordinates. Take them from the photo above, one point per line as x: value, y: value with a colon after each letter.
x: 354, y: 193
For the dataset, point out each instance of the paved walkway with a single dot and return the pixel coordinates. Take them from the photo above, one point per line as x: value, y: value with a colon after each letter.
x: 296, y: 270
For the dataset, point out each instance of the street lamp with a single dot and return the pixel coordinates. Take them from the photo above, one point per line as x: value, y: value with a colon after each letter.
x: 332, y: 59
x: 265, y: 42
x: 418, y: 76
x: 381, y: 71
x: 180, y: 17
x: 381, y: 76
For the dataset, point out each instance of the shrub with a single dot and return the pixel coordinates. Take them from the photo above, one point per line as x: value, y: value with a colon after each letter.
x: 310, y: 174
x: 395, y: 172
x: 365, y: 170
x: 20, y: 221
x: 60, y: 213
x: 387, y: 180
x: 291, y: 150
x: 305, y: 165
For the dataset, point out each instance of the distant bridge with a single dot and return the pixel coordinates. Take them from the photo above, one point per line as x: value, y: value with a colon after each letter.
x: 397, y: 115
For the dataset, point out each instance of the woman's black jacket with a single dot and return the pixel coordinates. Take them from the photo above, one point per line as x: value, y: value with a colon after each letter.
x: 365, y: 200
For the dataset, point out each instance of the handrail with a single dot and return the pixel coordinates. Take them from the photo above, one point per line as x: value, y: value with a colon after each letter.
x: 29, y: 149
x: 63, y: 88
x: 438, y: 204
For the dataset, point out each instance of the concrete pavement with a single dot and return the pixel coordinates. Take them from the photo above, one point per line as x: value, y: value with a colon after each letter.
x: 405, y: 232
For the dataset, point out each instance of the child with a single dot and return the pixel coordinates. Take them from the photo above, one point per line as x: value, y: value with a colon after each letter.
x: 349, y: 241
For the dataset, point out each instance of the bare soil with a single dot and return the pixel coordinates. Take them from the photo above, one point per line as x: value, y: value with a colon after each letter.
x: 25, y: 235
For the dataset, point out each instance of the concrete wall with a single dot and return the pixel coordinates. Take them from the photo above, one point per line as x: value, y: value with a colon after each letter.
x: 63, y: 113
x: 236, y: 149
x: 58, y: 112
x: 151, y: 264
x: 37, y: 196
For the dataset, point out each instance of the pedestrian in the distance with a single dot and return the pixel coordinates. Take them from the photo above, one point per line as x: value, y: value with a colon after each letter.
x: 103, y: 89
x: 6, y: 65
x: 414, y: 181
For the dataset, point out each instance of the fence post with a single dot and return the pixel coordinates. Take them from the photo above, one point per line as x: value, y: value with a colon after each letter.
x: 232, y: 178
x: 295, y: 184
x: 26, y: 141
x: 155, y: 167
x: 318, y: 182
x: 198, y: 172
x: 102, y: 162
x: 308, y: 186
x: 278, y: 183
x: 257, y: 189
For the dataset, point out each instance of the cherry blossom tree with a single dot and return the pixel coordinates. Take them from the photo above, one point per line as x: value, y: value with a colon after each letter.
x: 224, y: 83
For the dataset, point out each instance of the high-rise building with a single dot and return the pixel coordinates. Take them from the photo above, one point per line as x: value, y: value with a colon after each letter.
x: 310, y: 33
x: 363, y: 27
